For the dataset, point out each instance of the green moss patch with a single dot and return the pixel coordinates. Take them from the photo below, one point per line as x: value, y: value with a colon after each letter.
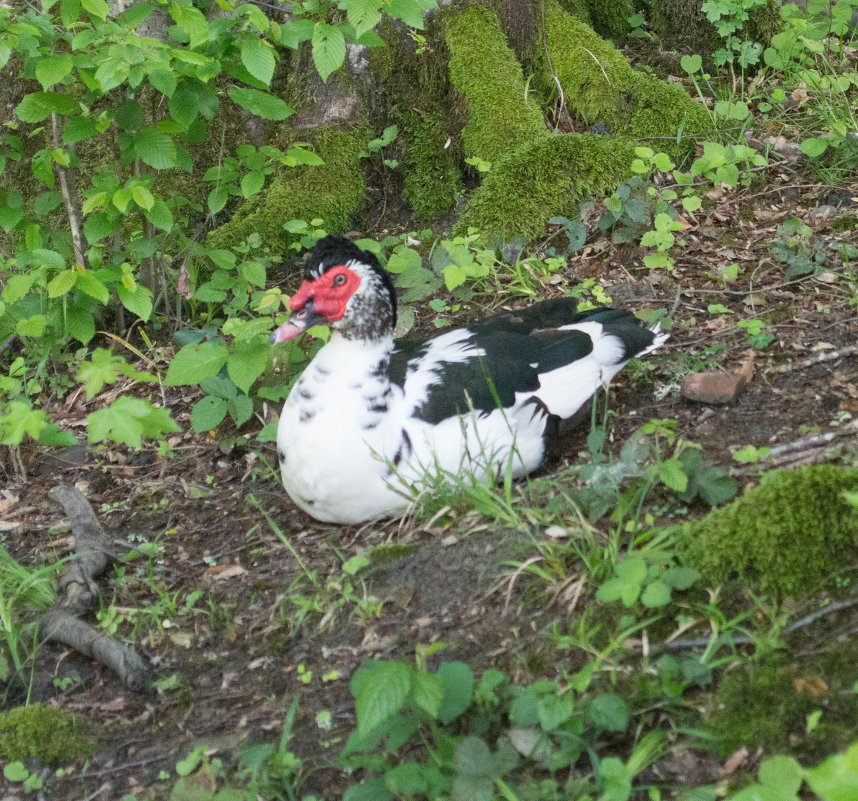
x: 611, y: 17
x: 485, y: 70
x: 599, y: 85
x: 782, y: 537
x: 544, y: 178
x: 56, y: 736
x: 333, y: 191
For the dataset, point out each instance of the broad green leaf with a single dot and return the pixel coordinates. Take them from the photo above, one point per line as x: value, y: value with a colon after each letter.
x: 253, y: 272
x: 208, y: 413
x: 77, y: 129
x: 193, y: 363
x: 142, y: 197
x: 655, y: 594
x: 52, y: 69
x: 402, y: 259
x: 138, y: 302
x: 240, y: 409
x: 691, y: 64
x: 258, y: 59
x: 782, y: 772
x: 363, y: 15
x: 217, y: 199
x: 246, y: 364
x: 813, y: 147
x: 458, y: 681
x: 191, y: 21
x: 32, y: 327
x: 48, y: 258
x: 61, y: 283
x: 18, y: 420
x: 101, y: 369
x: 80, y: 323
x: 409, y: 11
x: 406, y: 779
x: 329, y: 49
x: 372, y: 790
x: 609, y: 712
x: 671, y: 472
x: 184, y: 105
x: 160, y: 215
x: 98, y: 8
x: 129, y: 116
x: 155, y: 148
x: 17, y: 286
x: 251, y: 183
x: 164, y: 81
x: 473, y: 757
x: 121, y: 198
x: 296, y: 31
x: 428, y: 693
x: 128, y: 420
x: 99, y: 225
x: 260, y: 103
x: 382, y: 694
x: 38, y: 106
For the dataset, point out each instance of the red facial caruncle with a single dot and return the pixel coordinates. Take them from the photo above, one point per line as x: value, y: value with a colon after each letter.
x: 330, y: 293
x: 320, y: 301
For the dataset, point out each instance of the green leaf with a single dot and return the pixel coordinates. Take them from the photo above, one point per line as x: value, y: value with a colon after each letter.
x: 48, y: 258
x: 382, y: 695
x: 296, y: 31
x: 406, y: 779
x: 61, y: 283
x: 609, y: 712
x: 129, y: 116
x: 155, y: 148
x: 372, y: 790
x: 655, y: 594
x: 101, y: 369
x: 428, y: 693
x: 128, y: 420
x: 191, y: 21
x: 246, y: 364
x: 38, y: 106
x: 473, y: 757
x: 138, y: 302
x: 458, y: 681
x: 409, y: 11
x: 253, y: 272
x: 19, y: 420
x: 782, y: 772
x: 363, y: 15
x: 99, y: 225
x: 813, y: 147
x: 454, y: 276
x: 691, y: 64
x: 77, y: 129
x: 185, y: 105
x: 208, y: 413
x: 402, y: 259
x: 52, y: 69
x: 80, y: 323
x: 32, y: 327
x: 260, y: 103
x: 160, y: 215
x: 98, y: 8
x: 193, y: 363
x: 17, y: 286
x: 258, y: 59
x: 672, y: 473
x: 329, y: 49
x: 142, y: 197
x: 164, y: 81
x: 251, y: 183
x: 681, y: 578
x: 217, y: 199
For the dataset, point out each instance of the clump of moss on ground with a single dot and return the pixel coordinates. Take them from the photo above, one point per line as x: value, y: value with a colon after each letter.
x: 485, y: 70
x: 56, y: 736
x: 599, y: 85
x: 432, y: 178
x: 546, y: 177
x: 782, y: 537
x: 333, y: 191
x: 611, y: 17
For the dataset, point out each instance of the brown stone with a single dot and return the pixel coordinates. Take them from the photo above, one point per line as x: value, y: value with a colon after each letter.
x: 712, y: 387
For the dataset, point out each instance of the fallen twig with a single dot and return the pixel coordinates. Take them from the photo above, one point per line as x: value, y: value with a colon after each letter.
x: 810, y: 362
x: 77, y: 593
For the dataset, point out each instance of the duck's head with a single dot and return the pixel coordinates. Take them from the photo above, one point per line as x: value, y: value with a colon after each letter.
x: 345, y: 288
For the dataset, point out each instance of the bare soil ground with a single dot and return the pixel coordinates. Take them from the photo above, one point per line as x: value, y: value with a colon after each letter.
x: 242, y: 654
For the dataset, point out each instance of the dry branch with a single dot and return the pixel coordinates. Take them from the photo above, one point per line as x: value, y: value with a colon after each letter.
x: 77, y: 592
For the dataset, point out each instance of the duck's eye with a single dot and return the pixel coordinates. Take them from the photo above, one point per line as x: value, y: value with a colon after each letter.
x: 339, y: 279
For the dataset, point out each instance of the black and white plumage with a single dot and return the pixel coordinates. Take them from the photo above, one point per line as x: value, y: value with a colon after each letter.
x: 369, y: 413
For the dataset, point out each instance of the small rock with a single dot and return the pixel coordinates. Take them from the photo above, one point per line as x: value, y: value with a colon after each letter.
x: 556, y: 533
x: 712, y: 387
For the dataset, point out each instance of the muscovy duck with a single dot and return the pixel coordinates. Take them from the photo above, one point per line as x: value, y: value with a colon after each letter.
x: 369, y: 416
